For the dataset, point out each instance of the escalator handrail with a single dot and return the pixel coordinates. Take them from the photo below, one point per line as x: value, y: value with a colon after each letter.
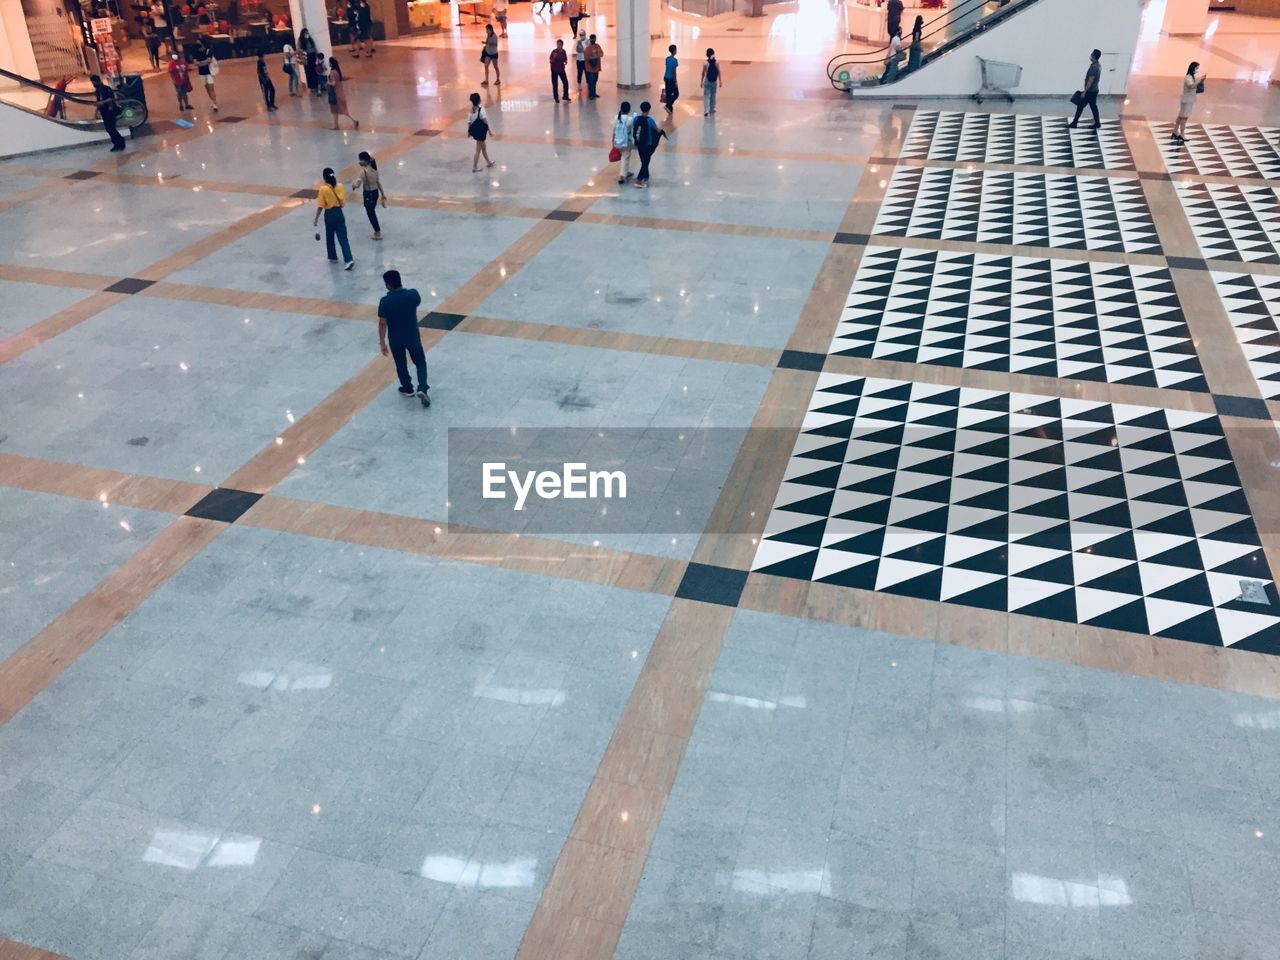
x: 943, y: 21
x: 126, y: 105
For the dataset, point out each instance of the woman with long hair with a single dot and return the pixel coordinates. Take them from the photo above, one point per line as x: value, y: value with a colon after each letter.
x: 1192, y: 86
x: 489, y: 55
x: 330, y: 200
x: 369, y: 183
x: 338, y: 95
x: 478, y: 130
x: 307, y: 51
x: 916, y: 51
x: 624, y: 139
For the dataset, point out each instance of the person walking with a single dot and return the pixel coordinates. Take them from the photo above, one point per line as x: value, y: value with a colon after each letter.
x: 594, y: 57
x: 369, y: 183
x: 891, y: 61
x: 362, y: 17
x: 573, y: 10
x: 624, y: 140
x: 559, y: 64
x: 670, y: 89
x: 152, y: 40
x: 160, y: 20
x: 489, y: 55
x: 500, y: 14
x: 1192, y: 86
x: 580, y: 57
x: 329, y: 202
x: 647, y: 135
x: 108, y: 111
x: 916, y: 51
x: 180, y: 74
x: 207, y: 68
x: 291, y: 70
x: 1089, y: 95
x: 318, y: 65
x: 893, y: 18
x: 399, y: 337
x: 338, y: 95
x: 478, y: 130
x: 264, y: 82
x: 307, y: 51
x: 712, y: 81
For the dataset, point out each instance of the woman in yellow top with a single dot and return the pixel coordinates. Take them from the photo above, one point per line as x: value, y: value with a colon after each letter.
x: 330, y: 202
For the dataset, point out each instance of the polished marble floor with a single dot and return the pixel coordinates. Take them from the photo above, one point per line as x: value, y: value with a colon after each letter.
x: 942, y: 625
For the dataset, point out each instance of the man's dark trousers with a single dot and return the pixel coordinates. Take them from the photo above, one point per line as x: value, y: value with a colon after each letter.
x: 401, y: 353
x: 1090, y: 100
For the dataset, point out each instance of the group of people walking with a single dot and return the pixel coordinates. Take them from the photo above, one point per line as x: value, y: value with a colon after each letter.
x: 331, y: 200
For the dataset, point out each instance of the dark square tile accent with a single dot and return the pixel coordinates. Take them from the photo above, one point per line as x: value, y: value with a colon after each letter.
x: 855, y: 239
x: 722, y: 585
x: 884, y: 161
x: 734, y: 29
x: 426, y: 132
x: 906, y: 107
x: 129, y: 285
x: 1153, y: 175
x: 435, y: 320
x: 566, y: 215
x: 1252, y: 408
x: 233, y: 119
x: 741, y: 63
x: 82, y: 175
x: 1186, y: 263
x: 224, y: 504
x: 307, y: 193
x: 802, y: 360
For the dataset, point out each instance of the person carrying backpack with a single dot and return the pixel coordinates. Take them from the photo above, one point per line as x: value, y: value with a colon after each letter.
x: 624, y: 140
x: 647, y: 135
x: 478, y: 130
x: 712, y: 81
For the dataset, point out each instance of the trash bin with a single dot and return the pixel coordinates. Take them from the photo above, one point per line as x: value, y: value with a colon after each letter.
x: 133, y: 102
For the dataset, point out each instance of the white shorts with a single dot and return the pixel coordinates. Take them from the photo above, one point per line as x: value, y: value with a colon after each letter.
x: 207, y: 79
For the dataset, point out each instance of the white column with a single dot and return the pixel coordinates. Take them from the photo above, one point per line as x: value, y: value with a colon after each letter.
x: 312, y: 15
x: 1186, y: 18
x: 16, y: 54
x: 632, y: 53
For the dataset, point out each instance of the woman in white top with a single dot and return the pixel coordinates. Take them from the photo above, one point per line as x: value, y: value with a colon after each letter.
x: 624, y: 139
x: 478, y: 130
x: 1190, y: 89
x: 891, y: 61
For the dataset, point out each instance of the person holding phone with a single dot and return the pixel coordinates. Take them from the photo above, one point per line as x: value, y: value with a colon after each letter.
x: 1192, y: 86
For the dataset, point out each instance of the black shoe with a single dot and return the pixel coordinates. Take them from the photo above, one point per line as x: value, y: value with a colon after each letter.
x: 405, y: 391
x: 422, y: 395
x: 1072, y: 125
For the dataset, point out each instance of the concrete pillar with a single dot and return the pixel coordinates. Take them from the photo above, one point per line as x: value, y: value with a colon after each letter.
x: 632, y: 53
x: 312, y: 15
x: 1184, y: 18
x: 16, y: 53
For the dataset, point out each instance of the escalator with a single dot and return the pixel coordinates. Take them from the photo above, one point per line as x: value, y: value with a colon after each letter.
x: 962, y: 22
x: 35, y: 116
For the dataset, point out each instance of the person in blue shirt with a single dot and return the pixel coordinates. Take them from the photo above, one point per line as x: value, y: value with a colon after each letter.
x: 398, y: 326
x: 646, y: 135
x: 670, y: 89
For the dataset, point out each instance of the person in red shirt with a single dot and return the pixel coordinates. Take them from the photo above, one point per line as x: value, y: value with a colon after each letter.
x: 180, y: 74
x: 559, y: 71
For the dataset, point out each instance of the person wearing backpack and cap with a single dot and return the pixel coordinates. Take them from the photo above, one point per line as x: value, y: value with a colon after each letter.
x: 580, y: 52
x: 647, y: 135
x: 712, y: 81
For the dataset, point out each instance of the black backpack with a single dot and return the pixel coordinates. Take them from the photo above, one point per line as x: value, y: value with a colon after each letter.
x: 646, y: 133
x: 713, y: 71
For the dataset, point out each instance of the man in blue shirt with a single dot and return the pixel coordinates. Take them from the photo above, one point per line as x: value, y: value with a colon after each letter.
x: 398, y: 324
x: 670, y: 90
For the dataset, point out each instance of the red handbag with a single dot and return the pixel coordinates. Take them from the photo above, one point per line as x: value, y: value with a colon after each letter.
x: 615, y: 155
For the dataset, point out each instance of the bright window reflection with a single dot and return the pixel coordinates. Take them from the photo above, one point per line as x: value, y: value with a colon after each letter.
x: 771, y: 881
x: 485, y: 876
x: 294, y: 676
x: 1056, y: 892
x: 190, y: 849
x: 754, y: 704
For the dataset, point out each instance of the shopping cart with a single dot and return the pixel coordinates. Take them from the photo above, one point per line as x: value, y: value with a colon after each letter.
x: 998, y: 77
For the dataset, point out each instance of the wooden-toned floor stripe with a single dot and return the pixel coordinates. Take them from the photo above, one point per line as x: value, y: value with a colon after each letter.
x: 12, y: 950
x: 586, y: 900
x: 60, y: 322
x: 44, y: 657
x: 95, y: 483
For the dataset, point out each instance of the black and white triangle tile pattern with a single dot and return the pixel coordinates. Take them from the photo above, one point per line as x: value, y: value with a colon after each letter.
x: 1253, y: 306
x: 1023, y: 138
x: 1056, y: 318
x: 1218, y: 149
x: 990, y: 206
x: 1125, y: 517
x: 1233, y: 222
